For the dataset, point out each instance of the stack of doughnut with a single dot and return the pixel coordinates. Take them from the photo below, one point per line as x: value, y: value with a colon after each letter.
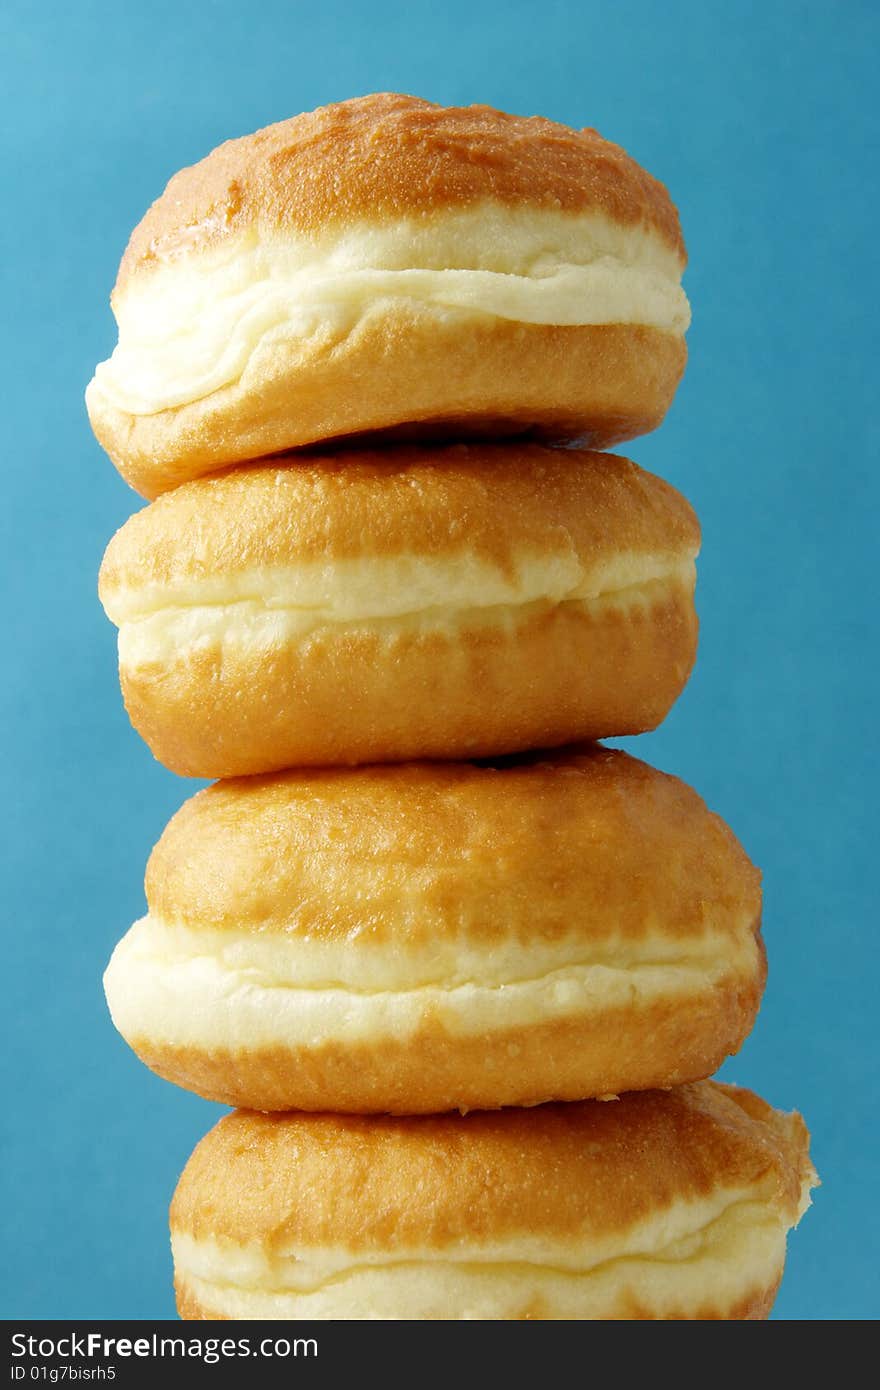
x: 463, y: 970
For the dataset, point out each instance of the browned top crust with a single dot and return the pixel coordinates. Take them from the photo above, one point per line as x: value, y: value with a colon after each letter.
x: 384, y: 157
x: 587, y: 843
x: 499, y: 502
x: 590, y: 1169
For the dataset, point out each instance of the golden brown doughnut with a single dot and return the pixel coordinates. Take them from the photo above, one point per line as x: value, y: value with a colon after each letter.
x: 448, y: 603
x: 663, y: 1204
x: 387, y: 264
x: 430, y: 937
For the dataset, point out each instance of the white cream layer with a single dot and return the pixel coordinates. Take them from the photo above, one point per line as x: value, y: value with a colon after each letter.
x: 196, y: 321
x: 714, y: 1252
x: 269, y: 608
x: 243, y: 990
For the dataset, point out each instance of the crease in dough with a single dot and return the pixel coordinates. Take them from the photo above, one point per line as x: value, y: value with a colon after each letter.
x: 380, y: 586
x: 198, y: 321
x: 739, y: 1245
x: 162, y: 634
x: 194, y: 998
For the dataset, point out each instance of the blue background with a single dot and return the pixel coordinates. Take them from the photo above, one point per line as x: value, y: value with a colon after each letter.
x: 762, y: 119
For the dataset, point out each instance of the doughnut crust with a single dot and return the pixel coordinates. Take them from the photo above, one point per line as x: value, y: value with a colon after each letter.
x: 432, y: 937
x: 386, y: 264
x: 663, y: 1204
x: 377, y: 607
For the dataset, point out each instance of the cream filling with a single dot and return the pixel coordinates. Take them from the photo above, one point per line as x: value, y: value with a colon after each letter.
x: 241, y: 990
x: 199, y: 319
x: 270, y: 608
x: 713, y: 1252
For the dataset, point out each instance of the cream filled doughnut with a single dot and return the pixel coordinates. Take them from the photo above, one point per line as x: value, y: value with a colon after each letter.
x: 388, y: 264
x: 431, y: 937
x: 662, y: 1204
x: 375, y: 607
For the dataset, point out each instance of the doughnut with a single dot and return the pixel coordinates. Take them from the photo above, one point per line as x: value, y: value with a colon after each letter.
x: 389, y: 265
x: 409, y: 603
x: 662, y: 1204
x: 438, y: 936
